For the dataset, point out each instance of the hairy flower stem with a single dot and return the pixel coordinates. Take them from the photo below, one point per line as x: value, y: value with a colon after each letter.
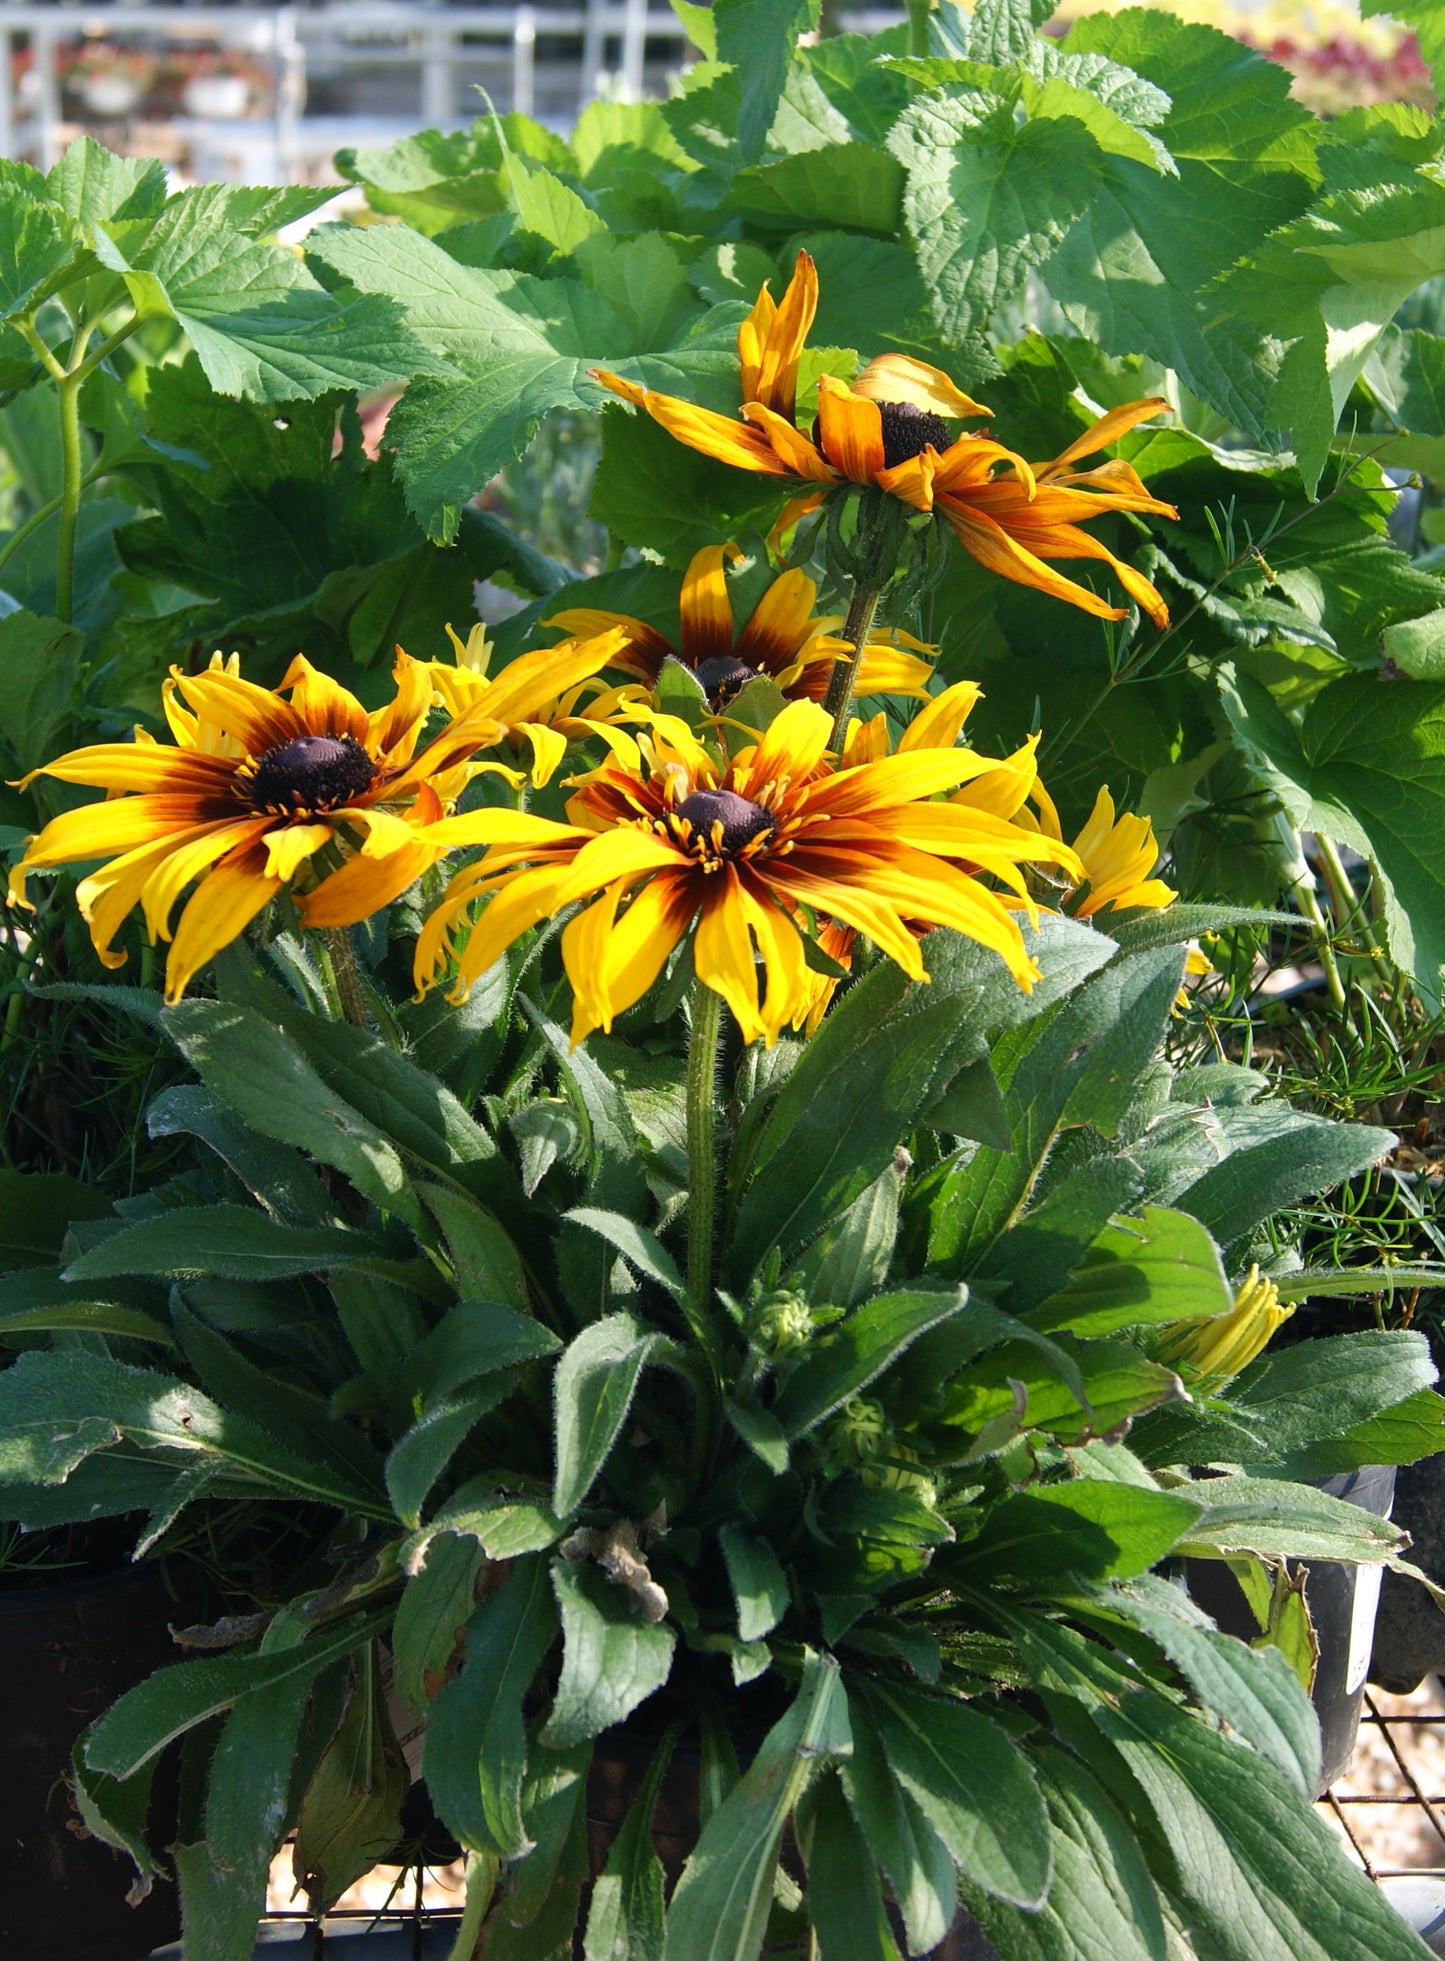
x: 702, y: 1051
x: 1303, y: 891
x: 72, y: 475
x: 918, y: 12
x: 342, y: 958
x: 839, y: 699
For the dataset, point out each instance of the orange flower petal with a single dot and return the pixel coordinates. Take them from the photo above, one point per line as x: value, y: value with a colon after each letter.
x: 781, y: 625
x: 1108, y: 429
x: 715, y: 435
x: 850, y: 430
x: 997, y: 552
x: 364, y: 885
x: 777, y: 379
x: 722, y: 950
x: 792, y: 511
x: 790, y: 449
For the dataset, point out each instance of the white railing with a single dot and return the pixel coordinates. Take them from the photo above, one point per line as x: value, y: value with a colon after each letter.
x: 615, y: 40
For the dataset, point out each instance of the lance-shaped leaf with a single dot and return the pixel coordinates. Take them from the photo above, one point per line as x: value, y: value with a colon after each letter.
x: 612, y: 1659
x: 849, y: 1357
x: 592, y: 1393
x: 720, y: 1909
x: 475, y: 1755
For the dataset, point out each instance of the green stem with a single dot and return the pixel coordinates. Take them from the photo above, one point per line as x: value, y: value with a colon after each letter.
x: 1307, y: 901
x: 702, y: 1051
x: 72, y: 464
x: 918, y: 12
x: 841, y: 682
x: 347, y: 975
x: 82, y: 370
x: 1356, y: 915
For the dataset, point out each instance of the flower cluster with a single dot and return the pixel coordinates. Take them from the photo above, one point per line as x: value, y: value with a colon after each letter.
x: 765, y: 830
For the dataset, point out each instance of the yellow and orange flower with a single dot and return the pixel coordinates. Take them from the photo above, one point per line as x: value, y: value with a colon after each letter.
x: 996, y: 787
x: 890, y: 430
x: 753, y: 851
x: 783, y: 639
x: 552, y: 714
x: 1118, y: 855
x: 260, y: 792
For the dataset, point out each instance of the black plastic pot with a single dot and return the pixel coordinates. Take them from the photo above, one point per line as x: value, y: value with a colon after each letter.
x: 1342, y: 1601
x: 66, y: 1653
x: 1410, y: 1628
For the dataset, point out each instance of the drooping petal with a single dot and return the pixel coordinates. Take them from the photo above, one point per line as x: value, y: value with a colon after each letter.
x: 362, y: 886
x: 549, y: 746
x: 585, y: 941
x: 97, y: 830
x: 218, y: 911
x: 850, y: 430
x: 642, y: 941
x: 722, y: 950
x: 790, y: 449
x: 792, y: 511
x: 780, y: 945
x: 704, y: 605
x: 108, y: 897
x: 290, y: 845
x: 1106, y: 430
x: 715, y: 435
x: 528, y: 898
x: 187, y: 860
x: 996, y: 551
x: 899, y: 378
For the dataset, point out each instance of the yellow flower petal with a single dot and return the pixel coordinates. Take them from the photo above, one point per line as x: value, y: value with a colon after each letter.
x: 705, y: 608
x: 722, y: 951
x: 899, y: 378
x: 289, y: 848
x: 221, y: 907
x: 324, y: 706
x: 940, y: 723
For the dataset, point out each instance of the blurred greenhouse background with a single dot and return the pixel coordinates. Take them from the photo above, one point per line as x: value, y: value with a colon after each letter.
x: 269, y: 93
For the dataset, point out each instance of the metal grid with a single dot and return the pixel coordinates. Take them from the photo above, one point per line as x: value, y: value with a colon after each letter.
x: 1389, y: 1807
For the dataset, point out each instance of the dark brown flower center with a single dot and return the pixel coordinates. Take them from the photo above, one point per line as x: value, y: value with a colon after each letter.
x: 740, y: 819
x: 311, y: 772
x: 908, y: 431
x: 722, y: 677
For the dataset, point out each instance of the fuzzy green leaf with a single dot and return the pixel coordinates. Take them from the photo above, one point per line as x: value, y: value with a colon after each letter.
x: 612, y: 1660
